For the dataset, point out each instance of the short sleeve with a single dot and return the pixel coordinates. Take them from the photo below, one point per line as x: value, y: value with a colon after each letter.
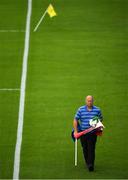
x: 77, y: 115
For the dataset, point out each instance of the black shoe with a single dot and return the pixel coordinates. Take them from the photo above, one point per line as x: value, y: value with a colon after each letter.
x: 91, y: 168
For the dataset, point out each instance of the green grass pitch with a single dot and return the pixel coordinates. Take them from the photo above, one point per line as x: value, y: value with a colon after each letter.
x: 82, y: 51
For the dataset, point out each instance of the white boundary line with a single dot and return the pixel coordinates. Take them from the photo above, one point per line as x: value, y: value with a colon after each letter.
x: 9, y: 89
x: 11, y: 31
x: 22, y: 95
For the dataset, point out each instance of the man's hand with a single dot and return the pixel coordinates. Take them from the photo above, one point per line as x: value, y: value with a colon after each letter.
x: 75, y: 134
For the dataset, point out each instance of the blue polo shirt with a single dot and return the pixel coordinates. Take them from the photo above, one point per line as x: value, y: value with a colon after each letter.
x: 84, y: 116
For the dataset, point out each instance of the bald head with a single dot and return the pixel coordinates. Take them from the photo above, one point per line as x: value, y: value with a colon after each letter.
x: 89, y: 101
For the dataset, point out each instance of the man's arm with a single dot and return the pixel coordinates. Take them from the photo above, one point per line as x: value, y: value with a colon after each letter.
x: 75, y: 121
x: 100, y: 116
x: 75, y: 124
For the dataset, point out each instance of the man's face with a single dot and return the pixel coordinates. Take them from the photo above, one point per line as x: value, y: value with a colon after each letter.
x: 89, y: 101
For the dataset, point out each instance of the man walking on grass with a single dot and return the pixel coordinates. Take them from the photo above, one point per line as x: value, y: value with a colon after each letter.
x: 88, y: 141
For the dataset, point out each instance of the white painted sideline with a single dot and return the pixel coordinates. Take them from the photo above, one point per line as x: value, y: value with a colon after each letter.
x: 11, y: 30
x: 9, y: 89
x: 22, y: 95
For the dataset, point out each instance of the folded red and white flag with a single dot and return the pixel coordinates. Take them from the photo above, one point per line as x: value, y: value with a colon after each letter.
x: 97, y: 128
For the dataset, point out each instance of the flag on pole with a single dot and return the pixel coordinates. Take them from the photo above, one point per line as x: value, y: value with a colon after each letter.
x: 51, y: 11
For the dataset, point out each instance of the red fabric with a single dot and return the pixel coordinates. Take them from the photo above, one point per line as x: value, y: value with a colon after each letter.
x: 99, y: 133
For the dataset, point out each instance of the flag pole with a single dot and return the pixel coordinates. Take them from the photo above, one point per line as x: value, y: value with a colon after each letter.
x: 76, y: 152
x: 36, y: 27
